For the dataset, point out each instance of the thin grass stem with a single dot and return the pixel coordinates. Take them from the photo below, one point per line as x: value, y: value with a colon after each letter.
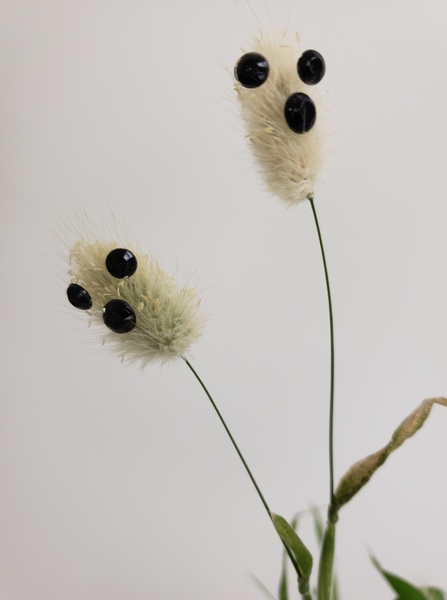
x: 331, y: 326
x: 247, y: 468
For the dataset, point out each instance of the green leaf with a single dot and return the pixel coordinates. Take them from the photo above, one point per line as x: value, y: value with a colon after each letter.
x: 262, y: 587
x: 335, y: 589
x: 362, y: 471
x: 406, y: 590
x: 434, y: 593
x: 282, y: 590
x: 318, y: 524
x: 288, y: 535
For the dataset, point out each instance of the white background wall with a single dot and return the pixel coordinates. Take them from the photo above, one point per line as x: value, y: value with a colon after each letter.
x: 116, y: 484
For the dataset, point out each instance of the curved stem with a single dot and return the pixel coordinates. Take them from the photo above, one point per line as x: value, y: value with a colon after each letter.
x: 236, y: 447
x: 250, y: 474
x: 331, y: 325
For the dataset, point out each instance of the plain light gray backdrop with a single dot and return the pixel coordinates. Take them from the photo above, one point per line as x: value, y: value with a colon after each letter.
x: 116, y: 484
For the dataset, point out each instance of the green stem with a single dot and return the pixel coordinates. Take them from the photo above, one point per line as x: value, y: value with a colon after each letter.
x: 303, y: 588
x: 236, y: 447
x: 331, y: 325
x: 326, y: 569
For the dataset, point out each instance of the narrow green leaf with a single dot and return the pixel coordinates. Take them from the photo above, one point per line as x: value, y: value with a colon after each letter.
x: 406, y: 590
x: 282, y: 590
x: 362, y: 471
x: 318, y: 524
x: 326, y: 567
x: 335, y: 589
x: 262, y: 587
x: 288, y: 535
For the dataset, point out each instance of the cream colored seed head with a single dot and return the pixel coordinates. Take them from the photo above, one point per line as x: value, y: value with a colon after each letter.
x: 289, y: 163
x: 168, y: 318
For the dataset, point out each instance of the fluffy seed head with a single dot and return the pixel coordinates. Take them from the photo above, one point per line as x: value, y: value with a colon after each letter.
x: 290, y: 162
x: 164, y: 318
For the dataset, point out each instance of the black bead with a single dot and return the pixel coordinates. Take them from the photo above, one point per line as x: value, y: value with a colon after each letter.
x: 79, y: 297
x: 300, y: 113
x: 121, y: 263
x: 119, y: 316
x: 251, y: 70
x: 311, y: 67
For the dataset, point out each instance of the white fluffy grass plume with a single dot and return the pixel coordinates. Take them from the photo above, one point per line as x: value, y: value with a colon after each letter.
x: 168, y: 315
x: 289, y: 163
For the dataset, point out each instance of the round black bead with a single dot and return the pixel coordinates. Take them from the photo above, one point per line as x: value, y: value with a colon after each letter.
x: 251, y: 70
x: 119, y: 316
x: 311, y: 67
x: 121, y: 263
x: 300, y: 113
x: 79, y: 297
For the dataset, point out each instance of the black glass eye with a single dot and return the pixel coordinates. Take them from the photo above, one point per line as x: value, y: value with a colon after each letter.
x: 251, y: 70
x: 119, y: 316
x: 311, y: 67
x: 79, y: 297
x: 121, y: 263
x: 300, y: 113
